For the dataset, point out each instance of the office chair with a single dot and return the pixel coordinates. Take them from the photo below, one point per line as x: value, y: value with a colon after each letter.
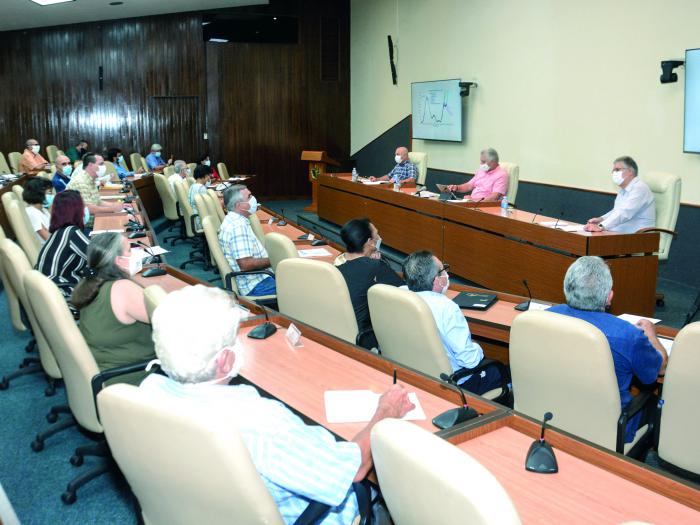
x: 513, y: 171
x: 153, y: 295
x: 420, y: 159
x: 279, y: 248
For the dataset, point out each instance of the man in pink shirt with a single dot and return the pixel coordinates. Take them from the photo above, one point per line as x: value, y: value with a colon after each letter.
x: 490, y: 182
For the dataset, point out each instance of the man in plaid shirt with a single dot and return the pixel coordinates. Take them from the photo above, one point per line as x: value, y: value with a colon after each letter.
x: 242, y: 249
x: 85, y: 183
x: 404, y: 171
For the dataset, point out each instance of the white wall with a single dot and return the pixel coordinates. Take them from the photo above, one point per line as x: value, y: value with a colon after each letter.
x: 564, y: 86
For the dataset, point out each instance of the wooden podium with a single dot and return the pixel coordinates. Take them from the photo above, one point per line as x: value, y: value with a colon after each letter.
x: 318, y: 160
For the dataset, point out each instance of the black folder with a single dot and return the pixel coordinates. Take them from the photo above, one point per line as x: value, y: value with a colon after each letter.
x: 475, y: 300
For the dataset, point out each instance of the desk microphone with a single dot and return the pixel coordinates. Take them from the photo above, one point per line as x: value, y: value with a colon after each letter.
x: 419, y: 188
x: 282, y: 222
x: 540, y: 458
x: 152, y: 272
x: 525, y: 305
x: 476, y: 206
x: 454, y: 416
x: 264, y: 330
x: 561, y: 216
x: 539, y: 212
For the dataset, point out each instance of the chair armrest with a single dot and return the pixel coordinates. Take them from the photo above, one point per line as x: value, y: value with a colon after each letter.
x: 660, y: 230
x: 228, y: 278
x: 638, y: 402
x: 99, y: 379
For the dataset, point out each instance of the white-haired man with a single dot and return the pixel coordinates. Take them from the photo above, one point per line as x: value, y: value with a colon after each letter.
x: 155, y: 161
x: 490, y: 182
x: 404, y: 172
x: 298, y: 463
x: 181, y: 173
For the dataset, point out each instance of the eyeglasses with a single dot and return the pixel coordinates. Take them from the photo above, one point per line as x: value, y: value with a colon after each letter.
x: 445, y: 268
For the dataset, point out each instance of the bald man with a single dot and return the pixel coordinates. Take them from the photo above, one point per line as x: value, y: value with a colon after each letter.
x: 64, y: 169
x: 32, y: 163
x: 404, y: 171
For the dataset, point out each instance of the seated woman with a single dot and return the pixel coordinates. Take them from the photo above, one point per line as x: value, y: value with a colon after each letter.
x: 64, y: 255
x: 38, y: 194
x: 363, y: 268
x: 114, y: 155
x: 205, y: 160
x: 113, y: 316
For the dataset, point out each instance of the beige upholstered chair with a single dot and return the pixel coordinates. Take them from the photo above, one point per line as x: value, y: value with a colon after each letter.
x: 216, y: 203
x: 124, y: 165
x: 185, y: 209
x: 167, y: 196
x: 199, y: 469
x: 12, y: 300
x: 192, y: 166
x: 153, y: 295
x: 18, y: 190
x: 279, y: 248
x: 223, y: 171
x: 315, y: 293
x: 169, y: 170
x: 52, y: 152
x: 564, y: 365
x: 667, y: 200
x: 420, y: 159
x: 25, y: 234
x: 426, y: 479
x: 204, y: 208
x: 513, y: 171
x: 257, y: 227
x: 416, y: 344
x: 680, y: 416
x: 137, y: 161
x: 14, y: 157
x: 4, y: 166
x: 111, y: 170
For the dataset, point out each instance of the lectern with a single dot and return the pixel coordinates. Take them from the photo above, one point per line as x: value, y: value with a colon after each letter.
x: 318, y: 161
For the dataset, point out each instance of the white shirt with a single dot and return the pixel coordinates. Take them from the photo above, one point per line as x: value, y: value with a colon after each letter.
x: 174, y: 179
x: 454, y: 332
x: 39, y: 219
x: 634, y: 209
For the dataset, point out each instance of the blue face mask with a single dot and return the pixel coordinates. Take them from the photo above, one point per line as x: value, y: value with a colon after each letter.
x: 67, y: 170
x: 48, y: 200
x: 86, y: 216
x: 157, y: 153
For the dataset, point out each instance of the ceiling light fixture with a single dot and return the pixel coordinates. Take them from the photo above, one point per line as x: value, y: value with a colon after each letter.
x: 218, y: 40
x: 50, y: 2
x: 116, y: 3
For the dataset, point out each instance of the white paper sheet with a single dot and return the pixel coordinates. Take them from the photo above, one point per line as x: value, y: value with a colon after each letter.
x: 314, y: 252
x: 550, y: 224
x: 537, y: 306
x: 358, y: 406
x: 96, y: 232
x: 111, y: 197
x: 631, y: 318
x: 456, y: 200
x: 572, y: 228
x: 667, y: 344
x: 374, y: 182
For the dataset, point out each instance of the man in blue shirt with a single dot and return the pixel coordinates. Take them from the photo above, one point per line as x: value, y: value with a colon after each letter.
x: 404, y: 171
x: 636, y: 350
x: 155, y: 161
x: 61, y: 177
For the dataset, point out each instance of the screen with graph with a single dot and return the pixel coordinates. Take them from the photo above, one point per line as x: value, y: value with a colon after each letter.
x: 691, y: 135
x: 437, y: 110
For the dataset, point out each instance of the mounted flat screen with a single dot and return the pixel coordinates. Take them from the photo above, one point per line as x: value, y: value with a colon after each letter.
x: 691, y: 134
x: 437, y: 110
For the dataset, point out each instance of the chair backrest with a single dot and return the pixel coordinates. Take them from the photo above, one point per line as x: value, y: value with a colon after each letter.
x: 124, y: 165
x: 137, y: 161
x: 204, y: 208
x: 14, y: 157
x: 12, y: 300
x: 279, y: 248
x: 72, y: 352
x: 564, y: 365
x: 426, y: 479
x: 111, y: 170
x: 212, y: 237
x: 192, y: 166
x: 169, y: 170
x: 257, y: 227
x: 223, y: 171
x: 513, y: 171
x: 18, y: 190
x: 17, y: 266
x: 167, y: 196
x: 185, y: 208
x: 185, y: 463
x: 153, y: 295
x: 25, y: 234
x: 217, y: 204
x: 417, y: 343
x: 315, y: 293
x: 680, y: 425
x: 420, y: 159
x: 4, y: 166
x: 667, y: 200
x: 52, y: 152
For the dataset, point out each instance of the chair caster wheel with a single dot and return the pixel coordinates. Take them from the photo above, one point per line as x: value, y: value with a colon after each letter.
x: 68, y: 497
x: 4, y: 384
x: 51, y: 417
x: 49, y: 391
x: 660, y: 303
x: 37, y: 445
x: 76, y: 460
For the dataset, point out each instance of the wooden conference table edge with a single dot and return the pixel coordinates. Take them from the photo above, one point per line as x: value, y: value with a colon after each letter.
x: 663, y: 483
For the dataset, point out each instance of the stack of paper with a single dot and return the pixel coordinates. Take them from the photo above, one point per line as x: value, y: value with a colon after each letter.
x: 631, y: 318
x: 358, y: 406
x: 315, y: 252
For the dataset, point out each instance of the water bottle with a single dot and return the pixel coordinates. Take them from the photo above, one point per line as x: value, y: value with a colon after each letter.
x: 504, y: 206
x: 397, y: 185
x: 354, y: 175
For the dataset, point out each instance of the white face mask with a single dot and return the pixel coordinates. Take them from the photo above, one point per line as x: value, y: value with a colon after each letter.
x: 101, y: 170
x: 617, y: 177
x: 484, y: 167
x: 447, y: 285
x: 35, y: 149
x: 120, y: 159
x: 86, y: 216
x: 253, y: 204
x: 135, y: 264
x: 398, y: 159
x: 206, y: 162
x: 378, y: 244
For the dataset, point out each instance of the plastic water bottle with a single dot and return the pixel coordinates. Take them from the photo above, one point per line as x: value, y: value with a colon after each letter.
x: 354, y: 175
x: 397, y: 185
x: 504, y: 206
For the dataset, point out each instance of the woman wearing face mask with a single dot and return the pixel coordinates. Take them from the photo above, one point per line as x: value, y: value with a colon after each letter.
x: 64, y: 255
x: 363, y: 268
x: 38, y: 194
x: 205, y: 160
x: 113, y: 316
x: 115, y: 156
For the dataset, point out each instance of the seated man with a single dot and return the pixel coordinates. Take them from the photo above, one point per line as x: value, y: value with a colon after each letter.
x: 75, y: 153
x: 115, y: 156
x: 298, y: 463
x: 490, y: 182
x: 61, y: 178
x: 243, y: 250
x: 181, y: 173
x: 404, y: 172
x: 634, y: 207
x: 427, y: 276
x: 84, y: 183
x: 31, y: 162
x: 154, y: 160
x: 636, y: 350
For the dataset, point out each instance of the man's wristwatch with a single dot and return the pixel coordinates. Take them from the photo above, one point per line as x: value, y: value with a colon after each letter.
x: 602, y: 228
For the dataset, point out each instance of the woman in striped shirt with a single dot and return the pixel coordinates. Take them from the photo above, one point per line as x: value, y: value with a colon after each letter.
x: 64, y: 255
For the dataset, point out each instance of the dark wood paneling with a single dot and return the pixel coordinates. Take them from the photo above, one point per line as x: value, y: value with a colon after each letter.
x: 51, y: 89
x: 272, y: 103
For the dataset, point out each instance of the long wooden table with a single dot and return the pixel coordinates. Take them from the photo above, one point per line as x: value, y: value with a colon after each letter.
x: 492, y: 250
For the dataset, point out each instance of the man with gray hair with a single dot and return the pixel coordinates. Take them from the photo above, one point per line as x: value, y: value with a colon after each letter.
x: 298, y: 463
x: 428, y: 277
x: 242, y: 249
x: 181, y: 173
x: 404, y: 172
x: 636, y: 350
x: 490, y: 182
x: 154, y: 160
x: 634, y: 207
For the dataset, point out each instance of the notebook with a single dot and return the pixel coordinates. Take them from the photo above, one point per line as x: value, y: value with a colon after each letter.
x: 475, y: 301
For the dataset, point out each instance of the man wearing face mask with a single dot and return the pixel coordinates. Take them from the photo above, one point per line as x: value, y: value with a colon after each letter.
x: 84, y: 183
x: 115, y: 156
x: 242, y: 249
x: 155, y: 161
x: 31, y: 162
x: 426, y: 275
x: 489, y: 183
x: 634, y: 207
x: 181, y: 173
x: 404, y: 172
x: 61, y: 178
x: 76, y: 152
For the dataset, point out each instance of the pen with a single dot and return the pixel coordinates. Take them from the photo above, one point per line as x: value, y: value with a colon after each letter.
x: 394, y: 375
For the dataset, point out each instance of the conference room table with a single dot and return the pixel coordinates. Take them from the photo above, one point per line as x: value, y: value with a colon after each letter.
x: 493, y: 248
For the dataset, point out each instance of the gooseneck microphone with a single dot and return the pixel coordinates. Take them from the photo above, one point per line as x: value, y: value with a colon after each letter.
x: 525, y: 305
x: 540, y: 457
x: 264, y: 330
x: 454, y: 416
x: 539, y: 212
x: 152, y: 272
x: 282, y: 222
x: 561, y: 216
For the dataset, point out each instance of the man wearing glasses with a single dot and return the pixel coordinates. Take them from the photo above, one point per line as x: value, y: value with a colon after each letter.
x: 426, y: 275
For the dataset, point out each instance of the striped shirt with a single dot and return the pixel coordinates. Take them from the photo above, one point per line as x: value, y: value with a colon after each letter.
x: 238, y: 241
x: 63, y: 258
x: 404, y: 170
x: 298, y: 463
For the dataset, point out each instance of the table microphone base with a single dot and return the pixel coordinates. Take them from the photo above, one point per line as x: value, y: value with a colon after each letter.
x: 153, y: 272
x: 262, y: 331
x: 522, y: 307
x: 454, y: 416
